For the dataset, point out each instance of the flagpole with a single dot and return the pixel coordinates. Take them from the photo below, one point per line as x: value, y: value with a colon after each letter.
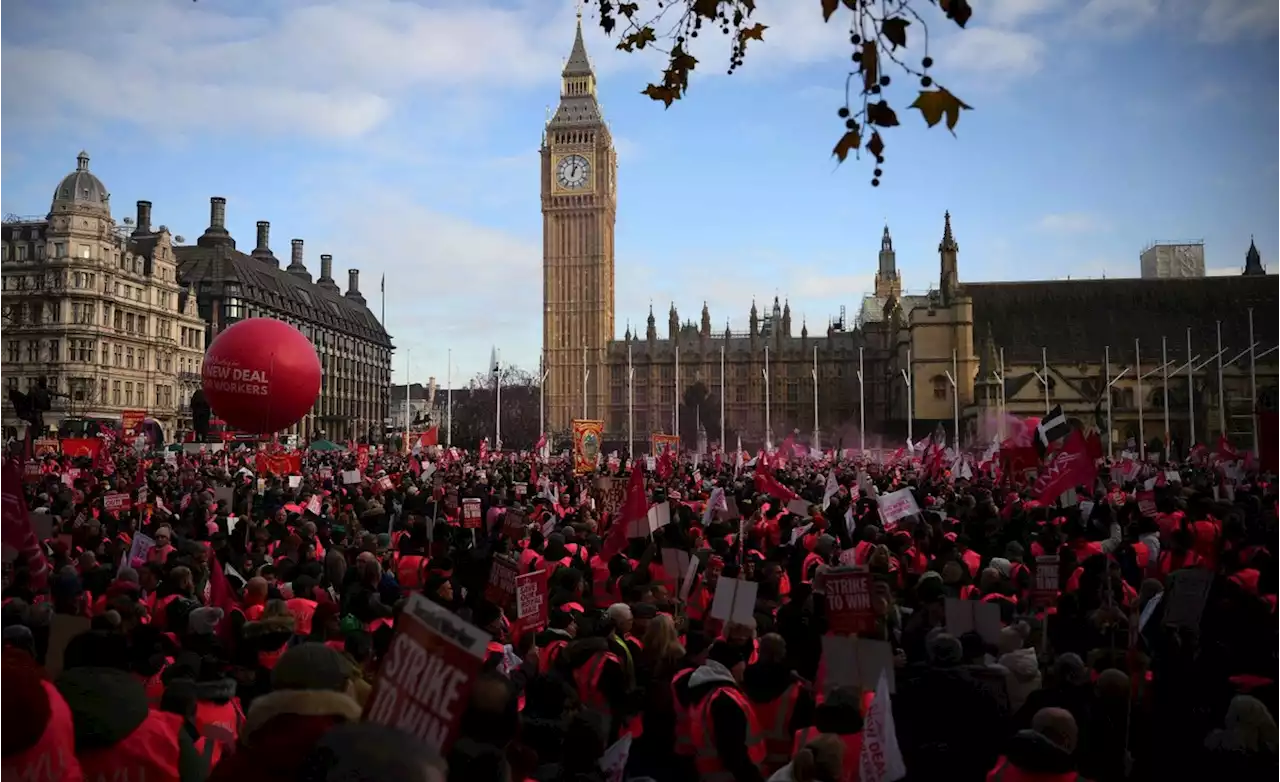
x: 448, y: 403
x: 1253, y: 386
x: 497, y: 413
x: 586, y: 374
x: 406, y: 398
x: 768, y: 429
x: 382, y: 424
x: 542, y: 394
x: 675, y: 414
x: 1191, y: 394
x: 1164, y: 377
x: 1222, y: 393
x: 862, y: 409
x: 1137, y: 372
x: 911, y: 404
x: 723, y: 444
x: 1003, y: 404
x: 1106, y: 389
x: 631, y: 405
x: 955, y: 399
x: 816, y: 441
x: 1044, y: 363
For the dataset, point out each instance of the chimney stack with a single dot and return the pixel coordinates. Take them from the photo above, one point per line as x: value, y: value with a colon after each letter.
x: 353, y: 282
x: 144, y: 218
x: 326, y: 267
x: 296, y: 258
x: 218, y: 213
x: 264, y: 236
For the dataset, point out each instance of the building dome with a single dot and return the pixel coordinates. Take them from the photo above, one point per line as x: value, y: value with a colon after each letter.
x: 81, y: 187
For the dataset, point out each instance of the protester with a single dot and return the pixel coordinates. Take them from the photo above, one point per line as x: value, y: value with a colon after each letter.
x: 234, y: 614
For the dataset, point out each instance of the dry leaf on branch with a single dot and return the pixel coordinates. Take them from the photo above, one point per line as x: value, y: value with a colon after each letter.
x: 939, y: 103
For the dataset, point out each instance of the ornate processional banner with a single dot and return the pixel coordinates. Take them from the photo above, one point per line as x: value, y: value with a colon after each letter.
x: 586, y: 445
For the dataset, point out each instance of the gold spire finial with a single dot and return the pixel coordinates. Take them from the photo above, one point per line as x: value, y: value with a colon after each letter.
x: 579, y: 11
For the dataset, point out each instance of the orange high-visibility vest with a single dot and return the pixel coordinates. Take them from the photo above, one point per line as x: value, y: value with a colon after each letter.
x: 706, y: 757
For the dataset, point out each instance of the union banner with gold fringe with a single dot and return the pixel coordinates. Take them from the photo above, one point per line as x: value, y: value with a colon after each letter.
x: 586, y: 445
x: 661, y: 443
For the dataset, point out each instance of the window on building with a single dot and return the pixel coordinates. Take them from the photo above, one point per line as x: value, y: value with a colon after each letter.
x: 85, y: 251
x: 940, y: 386
x: 55, y: 350
x: 106, y: 354
x: 12, y: 351
x: 128, y: 392
x: 117, y: 320
x: 11, y: 383
x: 129, y: 323
x: 33, y: 351
x: 142, y: 358
x: 128, y: 358
x: 142, y: 325
x: 117, y: 396
x: 20, y: 252
x: 119, y: 355
x: 51, y: 382
x: 102, y: 391
x: 60, y: 249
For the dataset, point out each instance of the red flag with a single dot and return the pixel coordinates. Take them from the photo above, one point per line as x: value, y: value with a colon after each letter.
x: 16, y: 530
x: 634, y: 506
x: 767, y: 484
x: 1093, y: 445
x: 1069, y: 468
x: 430, y: 438
x: 221, y: 596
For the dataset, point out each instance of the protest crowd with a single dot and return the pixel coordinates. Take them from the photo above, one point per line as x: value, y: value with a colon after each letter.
x: 1031, y: 611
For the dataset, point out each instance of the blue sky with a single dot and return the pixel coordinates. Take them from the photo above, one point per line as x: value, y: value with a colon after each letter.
x: 402, y: 138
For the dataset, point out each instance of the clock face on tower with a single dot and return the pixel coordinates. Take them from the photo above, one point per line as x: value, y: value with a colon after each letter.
x: 573, y: 172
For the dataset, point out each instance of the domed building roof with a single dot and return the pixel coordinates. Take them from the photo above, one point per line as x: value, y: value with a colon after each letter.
x: 81, y: 187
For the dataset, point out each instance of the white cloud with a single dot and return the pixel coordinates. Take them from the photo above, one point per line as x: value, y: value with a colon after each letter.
x: 992, y: 52
x: 1115, y: 18
x: 1227, y: 20
x: 1069, y: 223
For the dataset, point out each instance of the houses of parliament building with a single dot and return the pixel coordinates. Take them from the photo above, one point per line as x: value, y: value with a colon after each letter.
x: 962, y: 352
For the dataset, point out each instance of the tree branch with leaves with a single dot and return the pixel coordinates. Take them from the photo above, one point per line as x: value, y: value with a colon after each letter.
x: 879, y: 31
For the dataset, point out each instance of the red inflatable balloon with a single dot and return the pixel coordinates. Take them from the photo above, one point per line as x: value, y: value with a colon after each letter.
x: 261, y: 375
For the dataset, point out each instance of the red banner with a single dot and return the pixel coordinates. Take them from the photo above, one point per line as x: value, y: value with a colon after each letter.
x: 849, y: 610
x: 82, y: 446
x: 532, y: 607
x: 424, y: 682
x: 278, y: 463
x: 131, y: 424
x: 362, y: 458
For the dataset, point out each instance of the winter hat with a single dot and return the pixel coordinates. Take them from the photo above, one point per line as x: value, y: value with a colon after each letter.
x: 204, y: 621
x: 311, y: 666
x: 1004, y: 566
x: 20, y: 637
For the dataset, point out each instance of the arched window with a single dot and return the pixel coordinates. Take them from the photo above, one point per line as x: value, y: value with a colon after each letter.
x: 940, y: 386
x: 1156, y: 398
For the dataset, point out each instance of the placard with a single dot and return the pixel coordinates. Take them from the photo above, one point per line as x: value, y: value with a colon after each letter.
x: 350, y: 476
x: 849, y: 610
x: 424, y: 682
x: 471, y: 513
x: 116, y: 502
x: 734, y: 601
x: 1046, y: 587
x: 521, y: 490
x: 965, y: 616
x: 896, y: 506
x: 140, y: 550
x: 502, y: 580
x: 532, y: 608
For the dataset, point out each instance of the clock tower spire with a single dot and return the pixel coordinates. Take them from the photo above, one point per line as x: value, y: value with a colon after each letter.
x: 579, y: 208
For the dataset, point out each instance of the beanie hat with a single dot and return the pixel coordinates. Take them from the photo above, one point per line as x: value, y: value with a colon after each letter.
x: 26, y: 707
x: 311, y: 666
x: 204, y: 621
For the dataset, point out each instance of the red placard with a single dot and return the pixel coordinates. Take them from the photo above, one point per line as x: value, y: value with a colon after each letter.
x: 502, y: 580
x: 131, y: 424
x: 1046, y: 587
x: 116, y: 502
x: 362, y: 458
x: 424, y: 683
x: 849, y: 610
x: 471, y: 513
x: 532, y: 608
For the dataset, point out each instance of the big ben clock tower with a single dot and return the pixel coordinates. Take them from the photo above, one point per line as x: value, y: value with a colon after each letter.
x: 579, y: 197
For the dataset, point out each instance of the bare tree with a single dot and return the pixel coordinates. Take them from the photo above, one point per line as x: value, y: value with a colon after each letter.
x: 475, y: 410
